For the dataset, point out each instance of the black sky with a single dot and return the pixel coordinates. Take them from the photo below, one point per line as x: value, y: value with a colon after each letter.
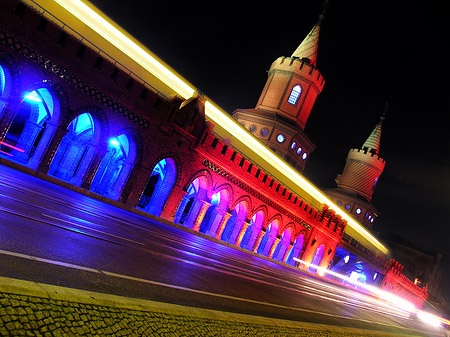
x: 369, y: 53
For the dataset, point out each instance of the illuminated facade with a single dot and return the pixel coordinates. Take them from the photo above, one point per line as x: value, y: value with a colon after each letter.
x: 72, y: 112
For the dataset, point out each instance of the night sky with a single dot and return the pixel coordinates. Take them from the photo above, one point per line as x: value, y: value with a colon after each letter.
x: 370, y: 53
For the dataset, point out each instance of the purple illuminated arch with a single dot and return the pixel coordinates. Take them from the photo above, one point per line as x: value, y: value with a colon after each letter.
x: 235, y: 222
x: 215, y: 213
x: 296, y: 250
x: 252, y: 232
x: 269, y: 238
x: 283, y: 246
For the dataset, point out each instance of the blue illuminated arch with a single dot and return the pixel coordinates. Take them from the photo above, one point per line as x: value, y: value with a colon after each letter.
x: 159, y: 186
x: 268, y: 239
x: 295, y: 94
x: 2, y: 80
x: 75, y: 150
x: 192, y: 202
x: 32, y: 127
x: 5, y: 84
x: 115, y: 167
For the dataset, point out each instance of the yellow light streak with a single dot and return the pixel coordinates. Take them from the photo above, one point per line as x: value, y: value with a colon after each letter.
x: 126, y: 45
x: 256, y: 149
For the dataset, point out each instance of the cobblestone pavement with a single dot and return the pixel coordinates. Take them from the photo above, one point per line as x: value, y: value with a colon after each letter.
x: 50, y: 312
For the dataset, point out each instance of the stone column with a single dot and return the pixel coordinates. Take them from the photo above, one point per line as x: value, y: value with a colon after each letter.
x: 274, y: 246
x: 258, y: 240
x: 25, y: 142
x: 202, y: 208
x: 222, y: 226
x: 216, y: 222
x: 100, y: 152
x: 194, y: 211
x: 242, y: 233
x: 288, y: 251
x: 176, y: 197
x: 84, y: 165
x: 119, y: 183
x: 44, y: 164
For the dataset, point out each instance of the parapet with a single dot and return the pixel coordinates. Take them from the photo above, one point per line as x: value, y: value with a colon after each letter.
x: 300, y: 66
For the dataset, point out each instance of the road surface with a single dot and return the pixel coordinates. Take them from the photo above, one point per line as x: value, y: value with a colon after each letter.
x: 50, y: 234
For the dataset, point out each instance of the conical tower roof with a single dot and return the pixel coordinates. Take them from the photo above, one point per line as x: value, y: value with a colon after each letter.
x: 308, y: 47
x: 372, y: 144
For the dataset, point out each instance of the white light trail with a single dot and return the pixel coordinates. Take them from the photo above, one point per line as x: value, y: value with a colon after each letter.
x: 388, y: 297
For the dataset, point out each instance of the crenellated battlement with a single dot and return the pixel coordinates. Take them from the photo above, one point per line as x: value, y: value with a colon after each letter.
x: 300, y: 66
x: 367, y: 156
x: 331, y: 220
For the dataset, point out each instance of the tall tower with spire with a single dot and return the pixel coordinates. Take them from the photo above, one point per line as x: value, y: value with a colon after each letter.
x: 356, y: 184
x: 283, y: 108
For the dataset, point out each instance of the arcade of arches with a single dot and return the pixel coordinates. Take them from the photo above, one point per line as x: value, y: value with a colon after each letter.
x: 81, y: 150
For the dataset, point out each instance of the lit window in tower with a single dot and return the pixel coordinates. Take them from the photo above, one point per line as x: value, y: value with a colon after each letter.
x: 305, y: 155
x: 299, y: 151
x: 280, y: 138
x: 295, y: 94
x: 293, y: 145
x: 358, y: 211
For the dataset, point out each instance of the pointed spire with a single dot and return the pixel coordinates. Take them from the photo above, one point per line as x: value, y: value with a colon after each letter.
x: 372, y: 144
x: 308, y: 48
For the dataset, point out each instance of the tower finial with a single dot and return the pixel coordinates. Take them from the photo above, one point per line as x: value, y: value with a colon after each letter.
x: 386, y: 107
x: 308, y: 48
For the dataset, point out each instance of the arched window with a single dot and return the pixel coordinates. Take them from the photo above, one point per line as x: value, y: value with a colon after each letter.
x: 235, y: 223
x: 192, y: 202
x: 215, y: 213
x: 115, y: 167
x: 4, y: 78
x: 252, y: 232
x: 158, y: 187
x: 29, y: 134
x: 75, y: 151
x: 295, y: 94
x: 2, y: 81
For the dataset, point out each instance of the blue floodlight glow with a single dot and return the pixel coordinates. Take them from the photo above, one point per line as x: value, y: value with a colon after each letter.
x: 215, y: 199
x: 114, y: 142
x: 33, y: 97
x: 2, y: 80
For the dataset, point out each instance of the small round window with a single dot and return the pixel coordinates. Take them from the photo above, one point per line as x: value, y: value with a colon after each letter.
x: 252, y: 128
x: 347, y: 206
x: 299, y: 151
x: 305, y: 155
x: 293, y: 145
x: 358, y: 210
x: 264, y: 132
x: 280, y: 138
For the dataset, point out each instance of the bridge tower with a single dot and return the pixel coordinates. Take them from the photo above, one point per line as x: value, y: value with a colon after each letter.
x: 356, y: 184
x: 283, y: 108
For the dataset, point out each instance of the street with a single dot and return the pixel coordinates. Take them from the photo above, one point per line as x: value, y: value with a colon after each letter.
x: 53, y: 235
